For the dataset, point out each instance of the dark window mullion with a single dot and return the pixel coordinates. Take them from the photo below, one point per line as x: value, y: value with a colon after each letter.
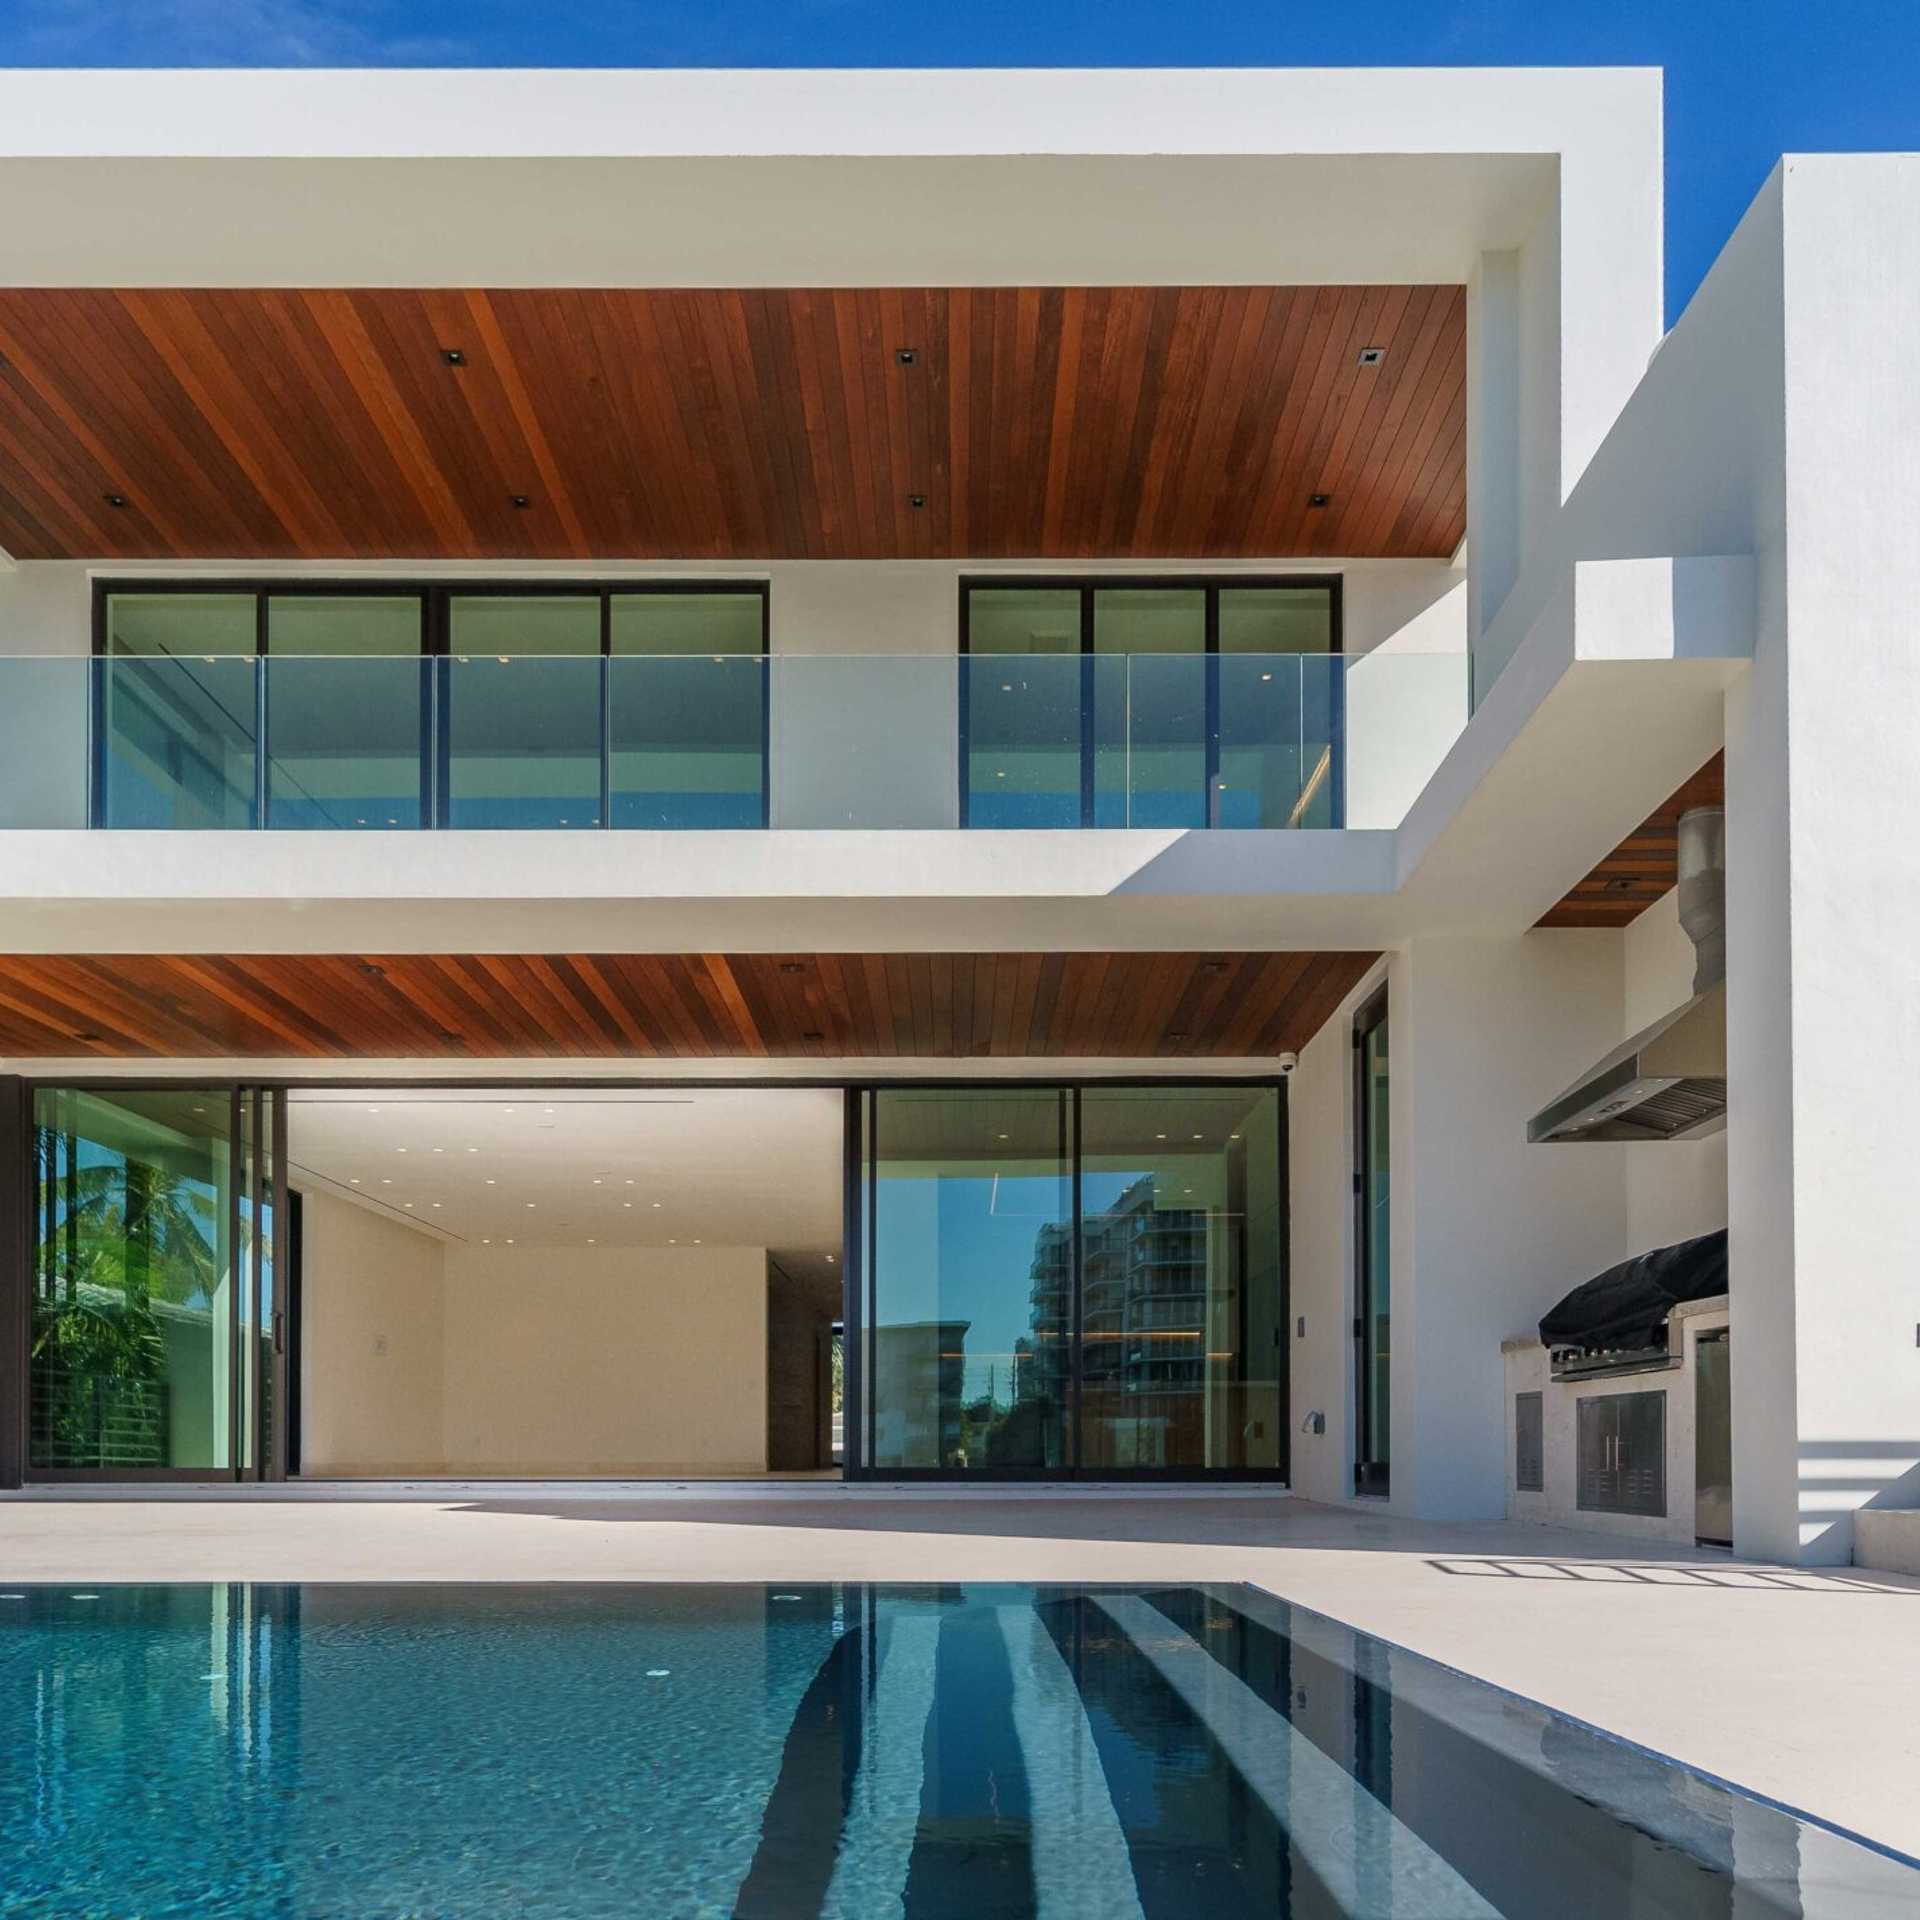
x: 1070, y: 1104
x: 606, y: 709
x: 1210, y: 809
x: 1087, y: 696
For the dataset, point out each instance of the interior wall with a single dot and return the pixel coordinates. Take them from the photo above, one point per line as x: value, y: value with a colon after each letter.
x: 619, y: 1361
x: 372, y: 1342
x: 801, y: 1311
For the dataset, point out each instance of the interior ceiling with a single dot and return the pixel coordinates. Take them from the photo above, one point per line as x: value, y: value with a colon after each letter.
x: 1078, y: 422
x: 1645, y: 865
x: 669, y: 1006
x: 687, y: 1167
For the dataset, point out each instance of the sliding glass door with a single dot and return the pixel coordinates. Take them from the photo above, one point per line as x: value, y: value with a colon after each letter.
x: 156, y: 1345
x: 1060, y: 1281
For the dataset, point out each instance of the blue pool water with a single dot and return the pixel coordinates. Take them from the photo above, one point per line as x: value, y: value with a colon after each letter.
x: 1166, y: 1753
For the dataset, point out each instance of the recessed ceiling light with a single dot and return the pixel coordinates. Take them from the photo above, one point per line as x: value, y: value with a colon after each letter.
x: 520, y: 500
x: 484, y: 1241
x: 531, y: 1204
x: 597, y: 1181
x: 626, y: 1183
x: 831, y: 1258
x: 408, y: 1204
x: 1159, y: 1136
x: 439, y: 1149
x: 506, y: 1109
x: 916, y: 500
x: 509, y: 1239
x: 1372, y: 356
x: 546, y: 1109
x: 453, y: 356
x: 627, y: 1203
x: 473, y: 1149
x: 1319, y: 499
x: 906, y: 356
x: 673, y: 1243
x: 373, y: 1109
x: 399, y: 1149
x: 384, y: 1181
x: 1198, y: 1136
x: 436, y: 1203
x: 696, y: 1243
x: 656, y: 1206
x: 353, y: 1183
x: 591, y: 1241
x: 115, y: 499
x: 491, y: 1181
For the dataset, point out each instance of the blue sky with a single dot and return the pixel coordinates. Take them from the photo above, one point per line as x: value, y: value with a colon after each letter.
x: 1746, y: 79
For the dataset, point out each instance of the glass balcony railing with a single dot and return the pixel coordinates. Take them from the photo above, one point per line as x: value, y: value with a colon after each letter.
x: 657, y: 742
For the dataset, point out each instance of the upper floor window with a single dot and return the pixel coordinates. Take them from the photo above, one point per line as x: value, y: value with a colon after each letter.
x: 1150, y: 703
x: 391, y: 705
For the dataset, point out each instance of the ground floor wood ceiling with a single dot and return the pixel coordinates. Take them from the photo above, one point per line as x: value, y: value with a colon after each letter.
x: 1077, y: 422
x: 1645, y: 865
x: 670, y: 1007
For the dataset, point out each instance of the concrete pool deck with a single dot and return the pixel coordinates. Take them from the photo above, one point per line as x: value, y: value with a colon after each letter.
x: 1799, y: 1684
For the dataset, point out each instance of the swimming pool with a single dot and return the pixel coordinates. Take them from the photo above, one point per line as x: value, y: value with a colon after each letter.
x: 774, y: 1753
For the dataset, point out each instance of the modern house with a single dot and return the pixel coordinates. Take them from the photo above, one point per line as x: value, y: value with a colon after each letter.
x: 993, y: 761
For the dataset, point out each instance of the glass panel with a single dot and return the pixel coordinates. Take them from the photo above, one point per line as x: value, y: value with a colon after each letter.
x: 972, y: 1265
x: 176, y: 741
x: 1150, y: 620
x: 1183, y: 1303
x: 1376, y: 1265
x: 524, y: 692
x: 1150, y: 707
x: 1276, y: 619
x: 1150, y: 734
x: 134, y: 1295
x: 1023, y: 620
x: 360, y: 626
x: 688, y: 623
x: 519, y: 624
x: 346, y: 711
x: 1023, y: 740
x: 688, y: 741
x: 174, y: 625
x: 1280, y: 738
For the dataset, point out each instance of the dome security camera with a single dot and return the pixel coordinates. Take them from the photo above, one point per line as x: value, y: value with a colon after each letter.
x: 1286, y: 1062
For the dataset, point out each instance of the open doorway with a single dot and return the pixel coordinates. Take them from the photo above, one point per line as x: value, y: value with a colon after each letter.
x: 566, y: 1283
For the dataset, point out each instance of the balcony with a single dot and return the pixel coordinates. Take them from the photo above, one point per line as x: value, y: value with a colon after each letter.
x: 807, y: 741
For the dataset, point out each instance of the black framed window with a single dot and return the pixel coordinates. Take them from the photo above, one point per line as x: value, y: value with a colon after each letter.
x: 376, y: 705
x: 1061, y: 1280
x: 1151, y: 702
x: 1373, y: 1241
x: 158, y: 1330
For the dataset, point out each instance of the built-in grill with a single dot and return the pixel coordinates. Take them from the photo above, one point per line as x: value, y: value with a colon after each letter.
x: 1616, y: 1323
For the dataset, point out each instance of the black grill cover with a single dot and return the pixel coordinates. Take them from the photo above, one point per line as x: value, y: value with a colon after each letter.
x: 1627, y: 1306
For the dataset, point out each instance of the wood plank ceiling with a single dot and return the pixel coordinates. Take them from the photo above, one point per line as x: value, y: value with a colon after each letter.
x: 1082, y: 423
x: 670, y: 1007
x: 1645, y: 865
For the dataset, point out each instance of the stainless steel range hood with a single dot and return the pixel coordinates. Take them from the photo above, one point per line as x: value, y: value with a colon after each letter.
x: 1669, y: 1082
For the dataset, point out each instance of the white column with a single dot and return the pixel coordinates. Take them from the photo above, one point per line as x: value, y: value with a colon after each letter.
x: 1823, y: 888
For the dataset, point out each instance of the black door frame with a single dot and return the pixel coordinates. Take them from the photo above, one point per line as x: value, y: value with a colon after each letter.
x: 16, y: 1249
x: 256, y: 1115
x: 859, y: 1308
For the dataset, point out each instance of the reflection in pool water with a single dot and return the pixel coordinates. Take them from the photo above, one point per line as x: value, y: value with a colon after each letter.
x: 855, y: 1751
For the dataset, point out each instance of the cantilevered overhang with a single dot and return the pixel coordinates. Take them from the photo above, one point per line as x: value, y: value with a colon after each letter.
x: 1055, y: 178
